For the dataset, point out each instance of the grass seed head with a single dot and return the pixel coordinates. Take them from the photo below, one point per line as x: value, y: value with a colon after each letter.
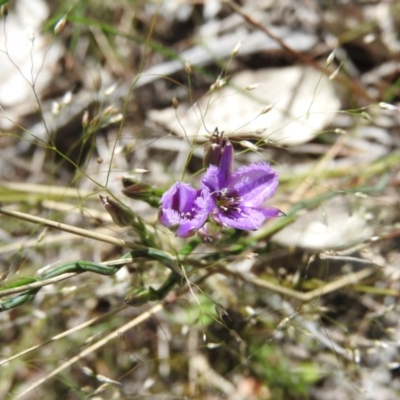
x: 59, y: 26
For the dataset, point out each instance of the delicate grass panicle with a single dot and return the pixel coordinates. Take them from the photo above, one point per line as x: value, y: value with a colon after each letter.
x: 142, y: 257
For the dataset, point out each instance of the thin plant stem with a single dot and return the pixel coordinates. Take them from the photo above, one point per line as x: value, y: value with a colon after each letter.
x: 113, y: 335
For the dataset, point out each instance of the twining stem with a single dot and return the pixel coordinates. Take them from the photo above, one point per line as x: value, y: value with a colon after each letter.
x: 32, y: 284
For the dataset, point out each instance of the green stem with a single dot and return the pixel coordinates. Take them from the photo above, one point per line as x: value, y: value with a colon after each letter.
x: 79, y: 267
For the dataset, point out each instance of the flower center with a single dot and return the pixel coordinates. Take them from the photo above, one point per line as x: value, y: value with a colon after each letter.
x: 188, y: 214
x: 227, y: 202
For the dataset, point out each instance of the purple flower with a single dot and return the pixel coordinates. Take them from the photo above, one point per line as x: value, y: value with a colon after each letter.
x: 231, y: 199
x: 185, y: 209
x: 237, y: 196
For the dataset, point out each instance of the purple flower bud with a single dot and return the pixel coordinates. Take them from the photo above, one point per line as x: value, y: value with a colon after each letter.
x: 218, y: 151
x: 138, y: 191
x: 120, y: 214
x: 209, y: 233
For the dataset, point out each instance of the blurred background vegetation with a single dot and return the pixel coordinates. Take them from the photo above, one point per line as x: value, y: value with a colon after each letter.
x: 97, y: 95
